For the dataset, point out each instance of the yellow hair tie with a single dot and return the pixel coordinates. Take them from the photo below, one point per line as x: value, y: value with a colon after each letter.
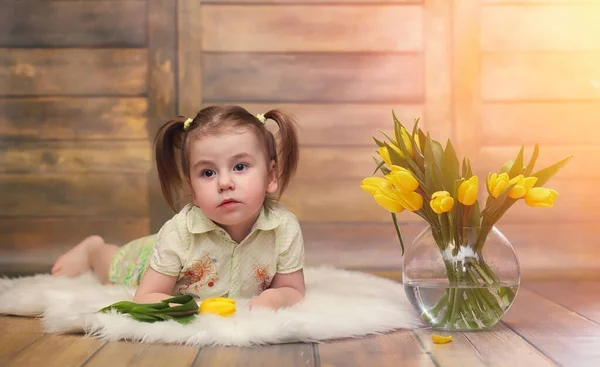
x: 187, y: 124
x: 261, y: 118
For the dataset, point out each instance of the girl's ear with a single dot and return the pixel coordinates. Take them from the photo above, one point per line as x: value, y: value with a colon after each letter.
x: 272, y: 178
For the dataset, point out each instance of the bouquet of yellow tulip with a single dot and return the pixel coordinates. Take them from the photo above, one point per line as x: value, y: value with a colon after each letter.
x: 421, y: 176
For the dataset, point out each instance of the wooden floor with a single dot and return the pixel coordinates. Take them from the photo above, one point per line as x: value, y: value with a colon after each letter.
x: 551, y: 323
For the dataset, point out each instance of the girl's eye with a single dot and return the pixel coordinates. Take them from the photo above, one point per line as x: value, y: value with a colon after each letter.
x: 240, y: 167
x: 207, y: 173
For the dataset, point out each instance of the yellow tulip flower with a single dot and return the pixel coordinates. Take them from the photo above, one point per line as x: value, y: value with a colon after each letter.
x: 521, y: 186
x: 383, y: 193
x: 411, y: 201
x: 441, y: 202
x: 497, y: 183
x: 541, y: 197
x: 385, y: 155
x: 467, y: 191
x: 218, y: 306
x: 402, y: 179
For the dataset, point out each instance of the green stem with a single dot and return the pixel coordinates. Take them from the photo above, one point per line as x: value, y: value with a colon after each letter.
x: 398, y: 232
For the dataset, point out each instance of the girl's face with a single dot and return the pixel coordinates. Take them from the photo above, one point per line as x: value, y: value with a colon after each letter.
x: 230, y: 177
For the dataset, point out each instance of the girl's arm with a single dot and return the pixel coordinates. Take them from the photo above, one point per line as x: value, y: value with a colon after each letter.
x: 154, y: 287
x: 286, y: 290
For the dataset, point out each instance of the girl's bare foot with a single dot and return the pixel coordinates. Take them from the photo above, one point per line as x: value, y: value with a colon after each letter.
x: 76, y: 260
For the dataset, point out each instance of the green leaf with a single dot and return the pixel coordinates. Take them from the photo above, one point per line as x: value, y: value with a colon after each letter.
x: 379, y: 142
x: 387, y: 136
x: 379, y: 165
x: 396, y: 158
x: 408, y: 163
x: 507, y: 166
x: 534, y: 156
x: 433, y: 175
x: 450, y: 167
x: 517, y: 167
x: 418, y: 156
x: 545, y: 174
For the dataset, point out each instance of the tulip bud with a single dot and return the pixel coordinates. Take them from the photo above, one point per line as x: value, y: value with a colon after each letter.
x: 467, y: 191
x: 541, y: 197
x: 497, y: 183
x: 441, y: 202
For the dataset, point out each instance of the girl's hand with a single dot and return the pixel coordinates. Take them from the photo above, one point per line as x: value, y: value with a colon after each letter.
x: 265, y: 299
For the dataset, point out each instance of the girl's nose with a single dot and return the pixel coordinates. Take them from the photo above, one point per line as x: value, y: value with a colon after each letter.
x: 225, y: 182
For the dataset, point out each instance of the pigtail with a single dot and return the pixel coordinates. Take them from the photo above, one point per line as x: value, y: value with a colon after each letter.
x: 288, y: 151
x: 167, y: 145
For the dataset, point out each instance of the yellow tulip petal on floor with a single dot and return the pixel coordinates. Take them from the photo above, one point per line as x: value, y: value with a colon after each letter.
x: 218, y: 306
x: 439, y: 339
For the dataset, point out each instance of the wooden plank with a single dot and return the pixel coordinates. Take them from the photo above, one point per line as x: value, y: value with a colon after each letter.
x: 70, y: 24
x: 540, y: 28
x: 256, y: 77
x: 482, y: 348
x: 544, y: 249
x: 357, y: 162
x: 548, y: 249
x: 33, y: 157
x: 343, y: 124
x: 129, y: 354
x: 543, y: 123
x: 330, y: 28
x: 314, y: 202
x: 57, y: 350
x: 565, y: 337
x: 293, y: 354
x: 162, y: 95
x: 316, y: 2
x: 578, y: 296
x: 574, y: 76
x: 72, y: 71
x: 540, y: 2
x: 466, y: 76
x: 189, y: 58
x: 85, y: 194
x: 73, y: 118
x: 357, y: 245
x: 16, y: 333
x: 56, y: 235
x: 438, y: 68
x: 581, y: 167
x: 393, y: 349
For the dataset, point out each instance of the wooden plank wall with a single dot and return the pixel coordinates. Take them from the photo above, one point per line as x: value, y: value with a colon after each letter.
x: 85, y: 84
x: 526, y: 72
x: 74, y: 101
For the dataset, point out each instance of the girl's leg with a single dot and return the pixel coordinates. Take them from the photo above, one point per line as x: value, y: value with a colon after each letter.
x: 90, y: 254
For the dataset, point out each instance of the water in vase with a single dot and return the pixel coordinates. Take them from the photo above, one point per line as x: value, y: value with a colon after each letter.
x: 463, y: 307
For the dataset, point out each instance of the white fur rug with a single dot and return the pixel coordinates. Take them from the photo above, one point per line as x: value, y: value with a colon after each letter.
x: 338, y: 304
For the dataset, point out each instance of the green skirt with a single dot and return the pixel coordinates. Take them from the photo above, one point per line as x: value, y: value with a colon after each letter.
x: 131, y: 261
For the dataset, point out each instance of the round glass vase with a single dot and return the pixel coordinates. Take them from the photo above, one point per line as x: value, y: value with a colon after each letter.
x: 462, y: 279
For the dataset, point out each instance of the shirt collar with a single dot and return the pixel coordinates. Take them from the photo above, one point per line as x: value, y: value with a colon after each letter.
x: 198, y: 222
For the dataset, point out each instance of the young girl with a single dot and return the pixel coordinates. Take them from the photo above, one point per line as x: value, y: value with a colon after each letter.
x: 233, y: 240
